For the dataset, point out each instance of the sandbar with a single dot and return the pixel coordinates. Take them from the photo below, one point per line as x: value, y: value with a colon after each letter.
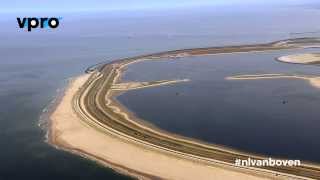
x: 89, y: 121
x: 308, y: 58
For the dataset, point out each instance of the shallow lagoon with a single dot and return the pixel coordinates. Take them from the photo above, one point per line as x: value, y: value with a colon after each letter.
x: 248, y: 114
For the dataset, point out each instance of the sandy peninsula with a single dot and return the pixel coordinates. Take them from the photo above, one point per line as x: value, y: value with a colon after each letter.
x: 308, y: 58
x: 70, y: 133
x: 90, y: 122
x: 313, y: 80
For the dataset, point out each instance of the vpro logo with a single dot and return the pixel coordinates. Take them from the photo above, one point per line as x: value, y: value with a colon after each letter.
x: 33, y: 22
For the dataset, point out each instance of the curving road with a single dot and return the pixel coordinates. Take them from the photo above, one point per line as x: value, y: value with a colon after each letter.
x: 90, y: 105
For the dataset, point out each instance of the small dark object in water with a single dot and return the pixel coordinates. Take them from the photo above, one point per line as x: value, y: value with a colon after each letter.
x: 284, y: 102
x: 177, y: 94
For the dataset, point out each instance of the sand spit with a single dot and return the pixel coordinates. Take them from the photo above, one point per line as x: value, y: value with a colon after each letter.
x: 138, y: 85
x: 308, y: 58
x: 69, y: 132
x: 90, y: 123
x: 313, y: 80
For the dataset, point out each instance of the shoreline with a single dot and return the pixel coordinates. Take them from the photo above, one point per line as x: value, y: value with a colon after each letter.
x: 303, y: 59
x: 59, y: 142
x: 72, y: 136
x: 314, y: 81
x: 53, y: 139
x: 44, y: 119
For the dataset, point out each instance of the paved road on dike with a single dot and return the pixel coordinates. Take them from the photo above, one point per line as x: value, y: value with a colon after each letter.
x: 90, y: 104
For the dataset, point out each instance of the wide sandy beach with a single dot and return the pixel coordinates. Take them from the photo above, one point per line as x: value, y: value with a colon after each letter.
x: 70, y: 133
x: 90, y: 122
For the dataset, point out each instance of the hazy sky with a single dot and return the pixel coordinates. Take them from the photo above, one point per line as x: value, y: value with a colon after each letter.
x: 105, y: 5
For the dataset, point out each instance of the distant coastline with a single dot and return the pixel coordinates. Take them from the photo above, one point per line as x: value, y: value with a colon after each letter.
x: 90, y: 122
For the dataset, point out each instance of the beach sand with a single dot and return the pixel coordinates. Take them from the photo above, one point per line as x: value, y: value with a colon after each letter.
x: 132, y: 156
x: 308, y: 58
x: 313, y: 81
x: 68, y: 132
